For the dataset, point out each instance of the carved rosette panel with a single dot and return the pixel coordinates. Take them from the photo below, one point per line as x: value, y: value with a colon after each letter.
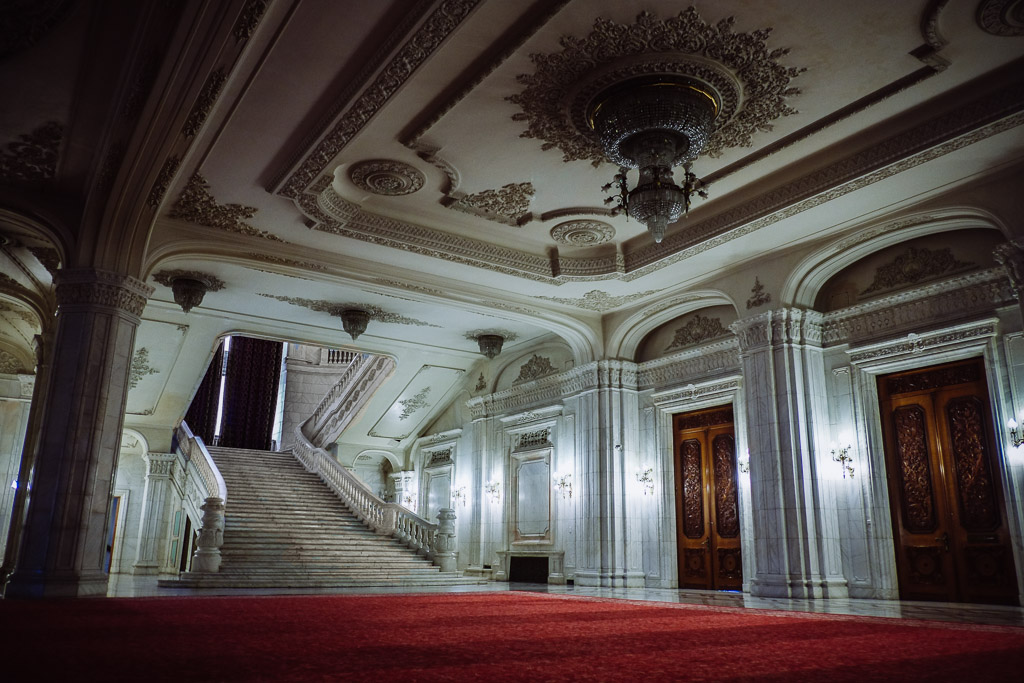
x: 582, y: 233
x: 978, y: 508
x: 925, y: 565
x: 730, y: 565
x: 386, y: 177
x: 727, y: 513
x: 694, y: 561
x: 701, y: 420
x: 693, y: 490
x: 986, y: 564
x: 933, y: 379
x: 915, y: 469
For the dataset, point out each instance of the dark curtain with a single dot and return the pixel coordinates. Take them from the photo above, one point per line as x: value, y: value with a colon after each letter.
x: 202, y: 412
x: 250, y: 393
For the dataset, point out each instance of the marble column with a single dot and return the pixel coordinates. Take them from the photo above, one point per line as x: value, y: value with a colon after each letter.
x: 612, y: 554
x: 64, y: 542
x: 796, y: 534
x: 153, y: 527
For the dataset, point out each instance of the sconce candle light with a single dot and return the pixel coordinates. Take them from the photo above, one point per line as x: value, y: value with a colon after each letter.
x: 744, y: 462
x: 459, y: 496
x: 493, y: 489
x: 842, y: 456
x: 1016, y: 439
x: 563, y: 484
x: 646, y: 479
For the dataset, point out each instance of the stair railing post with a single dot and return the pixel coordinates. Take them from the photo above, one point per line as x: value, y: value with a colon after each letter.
x: 211, y: 537
x: 443, y: 550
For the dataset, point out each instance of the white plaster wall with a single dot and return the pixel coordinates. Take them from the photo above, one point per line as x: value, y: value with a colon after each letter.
x: 304, y: 389
x: 130, y: 475
x: 13, y: 422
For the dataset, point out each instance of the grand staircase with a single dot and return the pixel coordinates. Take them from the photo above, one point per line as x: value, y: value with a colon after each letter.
x: 285, y: 529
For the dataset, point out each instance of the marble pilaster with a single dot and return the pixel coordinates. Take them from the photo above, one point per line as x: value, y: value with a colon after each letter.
x: 155, y: 518
x: 795, y: 522
x: 64, y: 542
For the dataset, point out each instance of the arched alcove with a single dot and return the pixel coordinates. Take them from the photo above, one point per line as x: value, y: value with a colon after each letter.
x: 707, y: 324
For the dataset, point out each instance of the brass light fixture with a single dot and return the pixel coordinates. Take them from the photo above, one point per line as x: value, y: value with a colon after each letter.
x: 654, y: 124
x: 490, y: 344
x: 354, y: 321
x: 189, y: 292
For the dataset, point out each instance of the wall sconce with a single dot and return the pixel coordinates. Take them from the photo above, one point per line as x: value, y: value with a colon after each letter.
x: 493, y: 489
x: 843, y: 457
x: 743, y: 462
x: 646, y: 479
x: 563, y: 484
x: 1016, y: 439
x: 459, y: 496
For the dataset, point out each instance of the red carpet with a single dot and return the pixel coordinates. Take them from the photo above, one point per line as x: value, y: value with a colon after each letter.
x: 480, y: 636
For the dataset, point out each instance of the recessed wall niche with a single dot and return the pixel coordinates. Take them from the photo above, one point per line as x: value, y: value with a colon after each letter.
x: 908, y: 265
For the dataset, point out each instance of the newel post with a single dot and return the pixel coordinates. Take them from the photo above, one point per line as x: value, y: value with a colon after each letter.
x: 444, y: 542
x: 211, y: 537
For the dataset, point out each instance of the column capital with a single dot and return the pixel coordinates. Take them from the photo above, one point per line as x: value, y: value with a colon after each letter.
x: 1010, y: 256
x: 160, y: 464
x: 92, y: 287
x: 779, y: 326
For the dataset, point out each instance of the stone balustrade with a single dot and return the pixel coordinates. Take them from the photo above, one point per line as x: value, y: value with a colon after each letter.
x: 215, y: 495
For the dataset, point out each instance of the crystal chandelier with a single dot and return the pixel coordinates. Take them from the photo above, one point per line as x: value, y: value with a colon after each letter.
x: 654, y: 124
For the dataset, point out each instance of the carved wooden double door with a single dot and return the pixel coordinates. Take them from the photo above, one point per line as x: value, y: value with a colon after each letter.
x: 945, y: 489
x: 707, y: 501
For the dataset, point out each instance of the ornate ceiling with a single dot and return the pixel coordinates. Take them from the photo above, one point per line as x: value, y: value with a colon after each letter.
x: 430, y: 160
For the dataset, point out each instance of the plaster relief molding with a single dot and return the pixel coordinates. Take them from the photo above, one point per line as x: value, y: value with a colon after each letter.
x: 694, y: 392
x: 197, y: 205
x: 10, y: 365
x: 531, y: 416
x: 705, y: 361
x: 204, y: 102
x: 322, y: 306
x: 760, y: 297
x: 890, y: 227
x: 89, y: 287
x: 958, y: 297
x: 249, y: 19
x: 598, y: 301
x: 748, y: 77
x: 354, y: 397
x: 416, y: 50
x: 163, y: 181
x: 414, y: 404
x: 698, y: 329
x: 1010, y: 256
x: 582, y: 233
x: 284, y: 261
x: 533, y: 440
x: 918, y: 343
x: 434, y: 458
x: 411, y: 287
x: 535, y: 368
x: 669, y: 303
x: 780, y: 326
x: 1001, y: 17
x: 28, y: 384
x: 509, y: 205
x: 386, y: 177
x: 48, y: 257
x: 140, y: 367
x: 913, y: 266
x: 450, y: 435
x: 160, y: 464
x: 33, y: 156
x: 167, y: 278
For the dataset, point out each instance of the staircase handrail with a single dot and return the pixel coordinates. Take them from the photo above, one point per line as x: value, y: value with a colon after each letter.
x: 346, y: 397
x: 388, y: 519
x: 343, y: 382
x: 211, y: 533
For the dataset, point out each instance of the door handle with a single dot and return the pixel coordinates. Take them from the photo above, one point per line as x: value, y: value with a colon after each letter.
x: 944, y: 540
x: 707, y: 543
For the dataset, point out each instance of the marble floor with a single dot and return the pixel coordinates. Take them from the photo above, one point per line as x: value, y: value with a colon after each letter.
x: 140, y: 586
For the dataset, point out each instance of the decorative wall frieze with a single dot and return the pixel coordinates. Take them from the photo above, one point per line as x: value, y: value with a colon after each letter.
x: 695, y: 392
x: 414, y: 404
x: 438, y: 457
x: 760, y: 296
x: 596, y: 300
x: 163, y: 181
x: 249, y: 18
x: 140, y: 367
x: 535, y: 368
x: 450, y: 435
x: 582, y: 233
x: 88, y: 287
x: 890, y: 227
x: 966, y: 295
x: 408, y: 286
x: 197, y: 205
x: 1010, y: 256
x: 698, y: 329
x: 204, y: 102
x: 532, y: 440
x: 548, y: 413
x: 10, y: 365
x: 780, y: 326
x: 509, y: 204
x: 917, y: 343
x: 913, y: 266
x: 691, y: 365
x: 167, y: 278
x: 284, y: 261
x: 33, y: 156
x: 1001, y: 17
x: 386, y: 177
x: 376, y: 312
x: 684, y: 45
x: 417, y: 49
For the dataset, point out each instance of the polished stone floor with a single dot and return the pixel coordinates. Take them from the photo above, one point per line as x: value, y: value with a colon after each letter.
x: 134, y: 586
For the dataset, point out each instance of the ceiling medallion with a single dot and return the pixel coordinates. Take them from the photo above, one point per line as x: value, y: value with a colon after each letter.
x: 1002, y: 17
x: 582, y: 233
x: 386, y: 177
x: 652, y: 96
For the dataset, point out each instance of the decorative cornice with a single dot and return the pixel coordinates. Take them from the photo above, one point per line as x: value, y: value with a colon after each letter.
x: 167, y: 278
x: 386, y: 177
x: 918, y: 343
x: 966, y: 295
x: 204, y: 103
x: 249, y: 19
x: 693, y: 392
x: 777, y: 327
x: 707, y: 360
x: 376, y: 312
x: 420, y: 46
x: 88, y: 287
x: 33, y: 156
x: 749, y: 80
x: 198, y: 206
x: 163, y: 181
x: 284, y: 261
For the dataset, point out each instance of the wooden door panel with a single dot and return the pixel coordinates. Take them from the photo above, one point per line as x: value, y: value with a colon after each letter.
x: 696, y: 562
x: 725, y: 536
